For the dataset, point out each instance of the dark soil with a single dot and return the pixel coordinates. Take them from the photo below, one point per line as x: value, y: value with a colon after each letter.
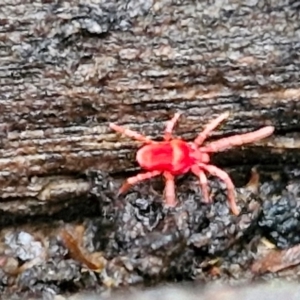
x: 134, y: 240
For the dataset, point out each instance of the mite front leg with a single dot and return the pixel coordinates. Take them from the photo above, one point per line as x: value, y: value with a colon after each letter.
x: 209, y: 128
x: 230, y: 186
x: 238, y: 140
x: 170, y: 126
x: 138, y: 178
x: 203, y: 183
x: 170, y: 189
x: 130, y: 133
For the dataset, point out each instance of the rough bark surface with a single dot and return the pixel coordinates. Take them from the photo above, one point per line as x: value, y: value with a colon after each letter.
x: 69, y: 68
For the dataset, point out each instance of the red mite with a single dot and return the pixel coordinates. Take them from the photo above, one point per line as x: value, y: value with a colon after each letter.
x: 174, y: 156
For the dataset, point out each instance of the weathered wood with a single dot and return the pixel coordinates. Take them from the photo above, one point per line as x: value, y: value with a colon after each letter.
x: 68, y: 69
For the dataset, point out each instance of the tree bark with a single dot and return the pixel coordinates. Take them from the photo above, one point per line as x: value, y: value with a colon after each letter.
x: 69, y: 70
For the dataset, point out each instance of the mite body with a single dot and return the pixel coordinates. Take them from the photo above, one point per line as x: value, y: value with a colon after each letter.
x: 174, y: 156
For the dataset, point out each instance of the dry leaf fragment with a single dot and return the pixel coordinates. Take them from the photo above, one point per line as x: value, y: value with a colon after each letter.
x: 77, y: 254
x: 277, y: 260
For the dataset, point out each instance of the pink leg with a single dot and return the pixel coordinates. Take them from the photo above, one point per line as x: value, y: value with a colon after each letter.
x: 170, y: 126
x: 139, y: 177
x: 203, y: 183
x: 230, y: 186
x: 238, y: 140
x: 130, y: 133
x: 209, y: 128
x: 170, y: 189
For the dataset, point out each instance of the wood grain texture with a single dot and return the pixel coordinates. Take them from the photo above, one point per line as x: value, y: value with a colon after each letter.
x: 69, y: 68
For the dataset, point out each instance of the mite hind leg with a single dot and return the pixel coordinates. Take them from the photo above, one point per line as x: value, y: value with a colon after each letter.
x: 136, y: 179
x: 130, y: 133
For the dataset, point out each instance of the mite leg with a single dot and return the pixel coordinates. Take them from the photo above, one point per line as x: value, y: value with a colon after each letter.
x: 238, y: 140
x: 169, y: 191
x: 203, y: 183
x: 209, y: 128
x: 230, y: 186
x: 170, y: 126
x: 130, y: 133
x: 139, y: 177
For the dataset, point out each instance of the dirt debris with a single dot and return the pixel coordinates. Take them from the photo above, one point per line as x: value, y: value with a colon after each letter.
x: 136, y: 240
